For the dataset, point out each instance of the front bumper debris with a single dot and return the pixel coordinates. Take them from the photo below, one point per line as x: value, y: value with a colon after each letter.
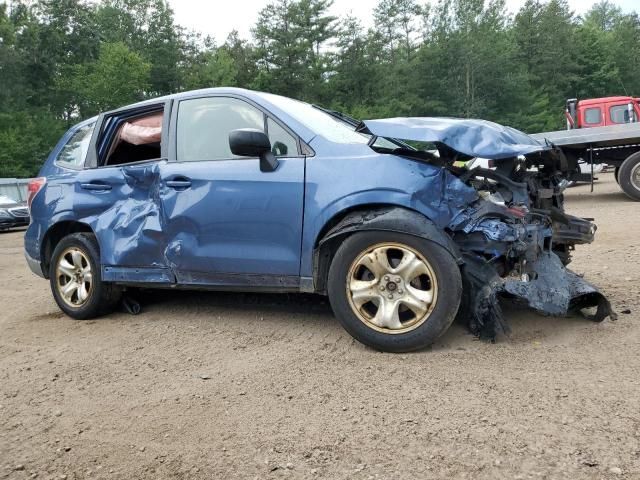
x: 548, y: 287
x: 556, y: 290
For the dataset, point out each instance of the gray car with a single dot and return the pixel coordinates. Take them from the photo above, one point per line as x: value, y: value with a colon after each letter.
x: 13, y: 214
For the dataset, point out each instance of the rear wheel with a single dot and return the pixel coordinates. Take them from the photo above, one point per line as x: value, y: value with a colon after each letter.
x: 75, y: 278
x: 394, y: 292
x: 629, y: 176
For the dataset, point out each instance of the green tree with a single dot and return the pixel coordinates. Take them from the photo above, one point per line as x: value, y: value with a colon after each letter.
x: 355, y: 80
x: 148, y: 28
x: 213, y: 68
x: 603, y: 16
x: 624, y: 49
x: 597, y: 75
x: 398, y: 24
x: 289, y: 37
x: 243, y: 55
x: 26, y: 137
x: 118, y: 77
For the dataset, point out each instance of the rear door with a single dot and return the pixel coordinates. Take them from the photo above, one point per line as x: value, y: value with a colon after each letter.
x: 228, y: 223
x: 116, y: 193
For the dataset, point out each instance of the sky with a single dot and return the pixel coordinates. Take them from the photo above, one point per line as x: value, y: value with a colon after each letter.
x: 219, y: 17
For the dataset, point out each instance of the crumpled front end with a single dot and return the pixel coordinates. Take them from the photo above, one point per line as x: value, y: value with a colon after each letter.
x: 514, y: 238
x: 516, y: 242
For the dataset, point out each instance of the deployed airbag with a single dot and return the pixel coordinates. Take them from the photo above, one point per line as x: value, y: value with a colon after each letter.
x: 142, y: 131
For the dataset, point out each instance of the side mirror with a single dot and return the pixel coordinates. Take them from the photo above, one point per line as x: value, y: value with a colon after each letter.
x: 249, y: 142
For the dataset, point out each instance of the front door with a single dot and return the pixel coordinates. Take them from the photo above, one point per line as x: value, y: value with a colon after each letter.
x: 228, y: 223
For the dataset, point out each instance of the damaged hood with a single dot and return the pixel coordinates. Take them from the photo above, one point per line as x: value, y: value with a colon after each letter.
x: 476, y: 138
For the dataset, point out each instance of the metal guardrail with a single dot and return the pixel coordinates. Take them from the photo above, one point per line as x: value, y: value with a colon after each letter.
x: 15, y: 188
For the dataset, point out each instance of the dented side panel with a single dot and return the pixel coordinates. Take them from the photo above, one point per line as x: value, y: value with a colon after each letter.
x: 232, y: 219
x: 127, y: 219
x: 121, y: 205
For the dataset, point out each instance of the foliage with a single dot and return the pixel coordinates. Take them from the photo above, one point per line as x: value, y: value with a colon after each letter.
x: 64, y: 60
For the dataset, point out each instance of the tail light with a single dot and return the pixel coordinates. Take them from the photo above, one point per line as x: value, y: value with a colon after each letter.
x: 34, y: 186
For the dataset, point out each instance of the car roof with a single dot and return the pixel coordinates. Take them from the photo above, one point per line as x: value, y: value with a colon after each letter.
x: 263, y: 98
x: 199, y: 93
x: 179, y: 96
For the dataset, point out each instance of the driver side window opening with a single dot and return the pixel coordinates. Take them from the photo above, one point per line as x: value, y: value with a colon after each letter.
x: 136, y: 138
x: 204, y: 125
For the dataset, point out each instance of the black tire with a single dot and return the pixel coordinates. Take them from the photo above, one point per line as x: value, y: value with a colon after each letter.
x: 616, y: 172
x: 629, y: 176
x: 102, y: 296
x: 444, y: 311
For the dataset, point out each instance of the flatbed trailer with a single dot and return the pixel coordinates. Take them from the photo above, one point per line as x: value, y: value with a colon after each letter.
x: 617, y: 145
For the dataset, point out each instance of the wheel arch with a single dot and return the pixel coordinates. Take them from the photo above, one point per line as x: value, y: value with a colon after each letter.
x: 372, y: 217
x: 54, y: 234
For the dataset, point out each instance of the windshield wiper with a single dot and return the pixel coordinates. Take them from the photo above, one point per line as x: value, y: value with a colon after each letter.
x: 339, y: 115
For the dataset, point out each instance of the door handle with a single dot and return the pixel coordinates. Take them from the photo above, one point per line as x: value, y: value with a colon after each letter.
x: 96, y: 186
x: 179, y: 183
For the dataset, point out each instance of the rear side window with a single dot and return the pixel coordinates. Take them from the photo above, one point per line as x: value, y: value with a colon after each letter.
x: 75, y: 151
x: 620, y: 114
x: 592, y: 116
x: 204, y: 125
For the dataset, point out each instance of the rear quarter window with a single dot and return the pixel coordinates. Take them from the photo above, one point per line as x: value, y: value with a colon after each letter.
x: 75, y: 150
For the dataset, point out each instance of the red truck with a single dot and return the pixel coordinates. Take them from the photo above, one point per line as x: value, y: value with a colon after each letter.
x: 600, y: 112
x: 602, y: 130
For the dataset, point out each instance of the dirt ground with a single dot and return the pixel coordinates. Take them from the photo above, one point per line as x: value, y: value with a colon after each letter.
x: 219, y: 385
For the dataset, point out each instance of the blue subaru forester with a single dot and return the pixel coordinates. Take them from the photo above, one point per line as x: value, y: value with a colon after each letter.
x: 233, y: 189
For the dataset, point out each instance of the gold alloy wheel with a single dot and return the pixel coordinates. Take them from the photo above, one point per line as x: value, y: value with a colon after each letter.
x: 74, y: 279
x: 392, y: 288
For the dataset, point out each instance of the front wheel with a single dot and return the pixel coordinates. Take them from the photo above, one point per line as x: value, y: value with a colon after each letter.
x: 394, y: 292
x: 76, y: 281
x: 629, y: 176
